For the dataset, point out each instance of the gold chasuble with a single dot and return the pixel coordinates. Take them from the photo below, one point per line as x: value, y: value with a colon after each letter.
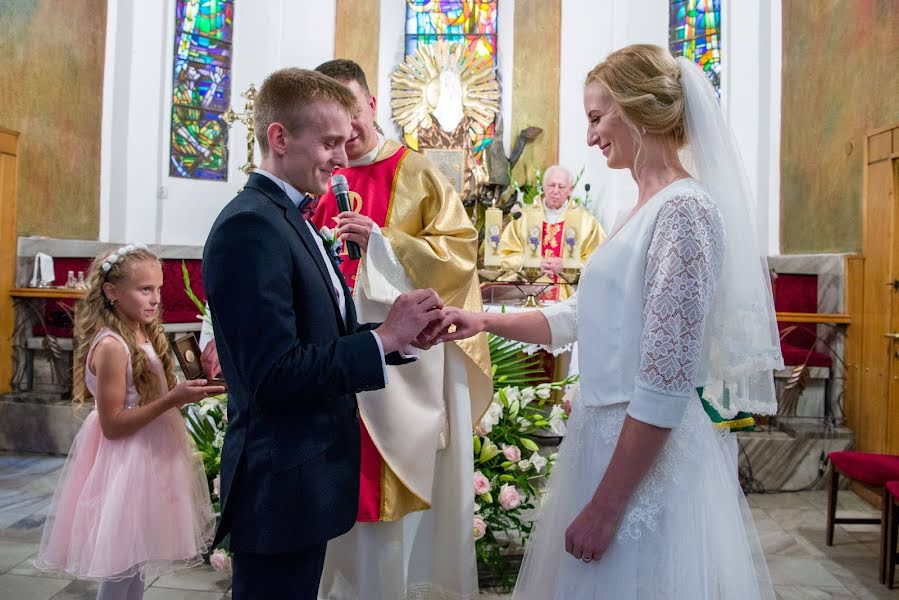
x: 425, y: 240
x: 577, y: 230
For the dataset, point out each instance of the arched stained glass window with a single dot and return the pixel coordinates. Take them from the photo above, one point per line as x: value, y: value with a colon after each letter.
x: 695, y: 33
x: 201, y: 89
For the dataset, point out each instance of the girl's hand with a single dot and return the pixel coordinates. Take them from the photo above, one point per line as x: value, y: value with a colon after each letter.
x: 192, y: 391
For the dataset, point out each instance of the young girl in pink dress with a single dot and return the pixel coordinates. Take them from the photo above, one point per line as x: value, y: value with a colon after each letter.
x: 132, y: 500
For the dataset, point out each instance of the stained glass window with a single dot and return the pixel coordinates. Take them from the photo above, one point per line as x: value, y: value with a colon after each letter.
x: 470, y: 21
x: 201, y: 88
x: 695, y: 33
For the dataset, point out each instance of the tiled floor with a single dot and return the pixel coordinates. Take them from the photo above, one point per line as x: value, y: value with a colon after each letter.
x: 791, y: 528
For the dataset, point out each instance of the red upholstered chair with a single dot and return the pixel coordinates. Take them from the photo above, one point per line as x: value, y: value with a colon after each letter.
x: 889, y: 533
x: 799, y: 293
x: 870, y: 470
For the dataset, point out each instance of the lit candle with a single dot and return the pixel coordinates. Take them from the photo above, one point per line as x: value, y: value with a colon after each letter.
x: 533, y: 238
x: 571, y: 244
x: 493, y: 227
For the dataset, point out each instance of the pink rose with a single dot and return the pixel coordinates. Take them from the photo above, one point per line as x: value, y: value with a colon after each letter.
x: 481, y: 483
x: 512, y: 453
x: 480, y: 527
x: 220, y: 561
x: 508, y: 496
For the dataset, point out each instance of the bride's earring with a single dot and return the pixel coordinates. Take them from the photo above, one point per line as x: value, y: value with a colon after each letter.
x: 643, y: 131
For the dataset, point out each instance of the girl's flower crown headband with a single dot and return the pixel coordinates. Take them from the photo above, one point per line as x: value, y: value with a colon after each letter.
x: 119, y: 254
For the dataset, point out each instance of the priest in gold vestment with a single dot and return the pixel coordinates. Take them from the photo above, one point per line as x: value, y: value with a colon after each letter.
x: 413, y: 536
x: 562, y: 228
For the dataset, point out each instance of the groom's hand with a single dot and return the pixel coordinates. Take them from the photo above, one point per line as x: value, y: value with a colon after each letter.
x: 209, y: 359
x: 408, y: 318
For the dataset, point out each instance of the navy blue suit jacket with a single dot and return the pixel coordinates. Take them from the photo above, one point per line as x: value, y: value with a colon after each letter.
x: 290, y: 462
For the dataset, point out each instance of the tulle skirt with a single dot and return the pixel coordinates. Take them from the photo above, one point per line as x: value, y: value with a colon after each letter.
x: 687, y: 533
x: 132, y: 506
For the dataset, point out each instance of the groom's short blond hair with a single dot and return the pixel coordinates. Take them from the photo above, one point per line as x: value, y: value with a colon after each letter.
x: 286, y: 94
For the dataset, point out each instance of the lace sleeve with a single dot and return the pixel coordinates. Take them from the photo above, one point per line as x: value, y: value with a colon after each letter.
x: 682, y: 268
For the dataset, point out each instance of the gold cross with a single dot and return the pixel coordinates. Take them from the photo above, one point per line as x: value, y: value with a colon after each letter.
x: 246, y: 117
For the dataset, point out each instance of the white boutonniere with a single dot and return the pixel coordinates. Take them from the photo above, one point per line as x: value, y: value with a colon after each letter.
x: 333, y: 244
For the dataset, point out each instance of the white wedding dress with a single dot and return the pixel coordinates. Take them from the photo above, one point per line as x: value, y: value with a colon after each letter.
x: 639, y: 318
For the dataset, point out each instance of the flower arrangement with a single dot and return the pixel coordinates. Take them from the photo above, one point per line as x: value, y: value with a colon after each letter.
x: 207, y: 421
x: 508, y: 464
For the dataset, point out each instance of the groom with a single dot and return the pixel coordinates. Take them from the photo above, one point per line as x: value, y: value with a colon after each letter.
x: 291, y: 348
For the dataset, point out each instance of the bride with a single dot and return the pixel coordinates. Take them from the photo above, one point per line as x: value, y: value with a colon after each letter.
x: 644, y: 502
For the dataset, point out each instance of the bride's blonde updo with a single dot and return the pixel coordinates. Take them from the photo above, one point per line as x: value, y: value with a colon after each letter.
x: 643, y: 81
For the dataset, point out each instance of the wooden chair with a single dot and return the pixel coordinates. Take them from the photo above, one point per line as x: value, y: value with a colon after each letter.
x: 871, y: 470
x: 889, y: 533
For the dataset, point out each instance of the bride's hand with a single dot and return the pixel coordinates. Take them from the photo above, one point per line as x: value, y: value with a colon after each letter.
x: 463, y: 324
x: 591, y: 533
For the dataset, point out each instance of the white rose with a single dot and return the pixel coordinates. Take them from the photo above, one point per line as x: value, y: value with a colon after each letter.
x: 543, y: 391
x: 524, y: 465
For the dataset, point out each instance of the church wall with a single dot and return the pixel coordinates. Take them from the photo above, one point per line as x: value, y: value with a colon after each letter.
x: 839, y: 81
x: 51, y: 77
x: 140, y: 201
x: 280, y: 32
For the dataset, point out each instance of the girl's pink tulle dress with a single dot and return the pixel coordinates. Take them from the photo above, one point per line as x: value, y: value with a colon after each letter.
x: 132, y: 506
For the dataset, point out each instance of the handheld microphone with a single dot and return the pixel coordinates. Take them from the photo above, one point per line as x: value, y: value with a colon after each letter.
x: 341, y: 190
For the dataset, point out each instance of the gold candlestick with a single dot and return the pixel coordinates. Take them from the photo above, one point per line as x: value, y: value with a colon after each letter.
x: 493, y: 225
x: 571, y: 248
x: 533, y: 238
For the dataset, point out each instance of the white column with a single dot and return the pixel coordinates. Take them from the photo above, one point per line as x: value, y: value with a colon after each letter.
x: 391, y: 52
x: 751, y: 100
x: 130, y: 127
x: 505, y: 60
x: 591, y: 30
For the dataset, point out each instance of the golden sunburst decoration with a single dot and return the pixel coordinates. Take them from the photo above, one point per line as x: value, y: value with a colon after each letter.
x: 419, y: 82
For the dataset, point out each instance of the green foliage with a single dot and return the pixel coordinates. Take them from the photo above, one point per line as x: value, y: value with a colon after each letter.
x: 507, y: 457
x: 190, y: 292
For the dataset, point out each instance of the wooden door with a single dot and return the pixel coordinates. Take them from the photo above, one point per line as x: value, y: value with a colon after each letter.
x: 877, y: 408
x: 9, y: 141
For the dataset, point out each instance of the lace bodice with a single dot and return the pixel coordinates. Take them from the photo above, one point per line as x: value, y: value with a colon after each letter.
x: 639, y: 314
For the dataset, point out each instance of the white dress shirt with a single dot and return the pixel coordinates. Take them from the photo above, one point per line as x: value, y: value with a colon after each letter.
x: 296, y: 197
